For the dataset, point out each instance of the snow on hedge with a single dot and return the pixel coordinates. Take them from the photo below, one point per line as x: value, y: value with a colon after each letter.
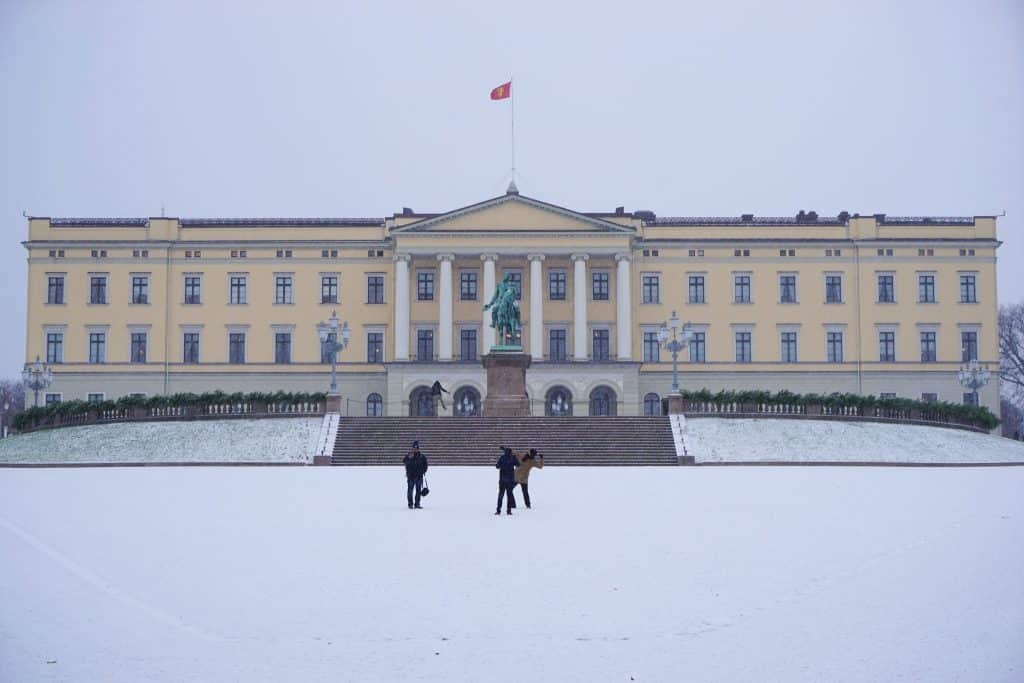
x: 268, y: 440
x: 712, y: 439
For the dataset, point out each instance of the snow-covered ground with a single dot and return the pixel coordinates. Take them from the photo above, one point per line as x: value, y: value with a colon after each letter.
x: 714, y: 439
x: 271, y: 440
x: 642, y: 574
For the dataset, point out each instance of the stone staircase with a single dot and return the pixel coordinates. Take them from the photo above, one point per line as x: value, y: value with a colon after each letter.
x: 474, y: 440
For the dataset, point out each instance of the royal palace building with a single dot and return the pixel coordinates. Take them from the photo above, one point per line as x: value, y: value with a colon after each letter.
x: 870, y: 304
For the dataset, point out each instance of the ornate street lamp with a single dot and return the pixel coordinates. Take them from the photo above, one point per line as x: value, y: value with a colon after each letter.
x: 37, y: 377
x: 329, y: 337
x: 675, y: 337
x: 973, y: 376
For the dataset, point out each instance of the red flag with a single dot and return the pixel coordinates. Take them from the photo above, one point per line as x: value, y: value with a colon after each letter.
x: 502, y: 92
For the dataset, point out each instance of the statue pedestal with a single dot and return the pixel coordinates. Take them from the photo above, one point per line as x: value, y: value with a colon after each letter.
x: 506, y: 384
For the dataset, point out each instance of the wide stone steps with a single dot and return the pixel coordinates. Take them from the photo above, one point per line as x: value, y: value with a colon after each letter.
x: 475, y: 440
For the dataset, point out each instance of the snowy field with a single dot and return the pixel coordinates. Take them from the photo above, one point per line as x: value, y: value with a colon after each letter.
x: 713, y: 439
x: 278, y: 440
x: 632, y: 574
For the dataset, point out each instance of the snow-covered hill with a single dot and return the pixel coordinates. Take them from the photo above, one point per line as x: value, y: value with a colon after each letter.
x: 277, y: 440
x: 712, y: 439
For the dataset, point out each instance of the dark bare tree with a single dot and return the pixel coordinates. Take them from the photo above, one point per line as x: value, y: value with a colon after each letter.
x: 1012, y: 417
x: 12, y: 395
x: 1011, y: 348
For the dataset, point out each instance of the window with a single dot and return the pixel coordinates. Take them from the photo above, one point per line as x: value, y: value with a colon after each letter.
x: 242, y: 253
x: 968, y: 289
x: 556, y: 285
x: 787, y: 289
x: 425, y: 285
x: 927, y: 347
x: 98, y: 289
x: 325, y: 348
x: 602, y: 402
x: 787, y: 346
x: 97, y: 347
x: 374, y: 405
x: 556, y: 344
x: 970, y: 398
x: 969, y: 346
x: 926, y: 289
x: 236, y: 348
x: 516, y: 278
x: 652, y: 405
x: 190, y: 348
x: 374, y: 289
x: 192, y: 289
x: 55, y: 289
x: 282, y: 347
x: 887, y: 347
x: 283, y: 289
x: 284, y: 253
x: 55, y: 347
x: 328, y: 289
x: 743, y: 347
x: 650, y: 289
x: 467, y: 344
x: 696, y: 252
x: 374, y: 347
x: 138, y: 347
x: 140, y: 289
x: 52, y: 399
x: 96, y: 398
x: 652, y: 348
x: 599, y: 350
x: 238, y: 295
x: 467, y: 286
x: 424, y: 345
x: 599, y: 286
x: 698, y: 347
x: 886, y: 292
x: 930, y: 397
x: 834, y: 347
x: 696, y: 289
x: 741, y: 289
x: 833, y: 289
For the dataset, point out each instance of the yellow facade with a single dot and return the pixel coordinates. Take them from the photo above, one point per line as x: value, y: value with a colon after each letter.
x: 696, y: 261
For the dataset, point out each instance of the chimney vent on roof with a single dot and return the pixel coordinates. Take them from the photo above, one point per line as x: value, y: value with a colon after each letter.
x: 406, y: 211
x: 645, y: 215
x: 747, y: 218
x: 812, y: 216
x: 800, y: 216
x: 844, y: 216
x: 620, y: 210
x: 879, y: 217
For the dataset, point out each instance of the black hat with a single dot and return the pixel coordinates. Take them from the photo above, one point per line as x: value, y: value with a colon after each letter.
x: 416, y: 444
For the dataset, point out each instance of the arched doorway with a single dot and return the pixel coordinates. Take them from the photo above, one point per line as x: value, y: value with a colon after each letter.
x: 466, y: 402
x: 421, y: 403
x: 652, y: 404
x: 602, y: 402
x: 374, y: 405
x: 558, y: 402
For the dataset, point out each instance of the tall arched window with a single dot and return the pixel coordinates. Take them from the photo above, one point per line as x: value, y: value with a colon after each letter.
x: 374, y: 405
x: 466, y: 402
x: 602, y: 401
x: 652, y: 404
x: 558, y: 402
x: 421, y: 403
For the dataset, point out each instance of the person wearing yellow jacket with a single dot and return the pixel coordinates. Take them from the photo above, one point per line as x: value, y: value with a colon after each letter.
x: 527, y: 461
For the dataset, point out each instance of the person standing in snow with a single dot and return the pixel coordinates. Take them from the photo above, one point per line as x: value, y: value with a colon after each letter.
x: 526, y: 463
x: 506, y: 466
x: 415, y: 467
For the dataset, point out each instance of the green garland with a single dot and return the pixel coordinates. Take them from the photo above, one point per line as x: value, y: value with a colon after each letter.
x: 27, y: 417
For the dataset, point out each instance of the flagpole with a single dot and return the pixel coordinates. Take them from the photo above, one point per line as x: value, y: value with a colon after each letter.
x: 512, y: 96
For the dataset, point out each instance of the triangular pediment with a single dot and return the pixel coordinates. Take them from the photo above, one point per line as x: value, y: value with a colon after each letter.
x: 513, y: 213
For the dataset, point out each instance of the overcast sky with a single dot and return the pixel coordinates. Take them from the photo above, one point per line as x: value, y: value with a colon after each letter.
x: 359, y: 109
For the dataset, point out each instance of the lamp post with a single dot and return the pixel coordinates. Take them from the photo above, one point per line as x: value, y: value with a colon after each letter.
x: 669, y: 336
x: 329, y: 340
x: 36, y: 376
x: 973, y: 376
x: 3, y: 420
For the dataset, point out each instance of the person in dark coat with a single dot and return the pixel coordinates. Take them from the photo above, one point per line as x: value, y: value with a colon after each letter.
x: 506, y: 466
x: 415, y: 467
x: 435, y: 392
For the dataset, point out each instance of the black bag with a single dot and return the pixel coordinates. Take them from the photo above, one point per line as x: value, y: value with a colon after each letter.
x: 425, y: 491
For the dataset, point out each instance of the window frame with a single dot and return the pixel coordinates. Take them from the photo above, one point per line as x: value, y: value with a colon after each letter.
x: 56, y: 289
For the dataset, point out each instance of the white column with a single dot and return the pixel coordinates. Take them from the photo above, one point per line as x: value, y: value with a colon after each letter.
x: 488, y: 292
x: 402, y: 307
x: 536, y: 306
x: 579, y: 306
x: 623, y: 308
x: 444, y: 332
